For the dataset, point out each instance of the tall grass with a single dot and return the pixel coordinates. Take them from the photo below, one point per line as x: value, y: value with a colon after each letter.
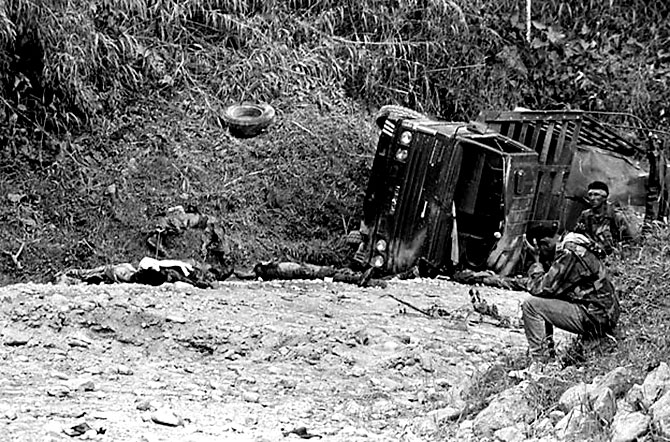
x: 641, y: 277
x: 67, y: 63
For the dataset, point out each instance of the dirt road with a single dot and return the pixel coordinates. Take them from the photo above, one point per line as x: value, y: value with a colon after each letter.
x: 247, y: 361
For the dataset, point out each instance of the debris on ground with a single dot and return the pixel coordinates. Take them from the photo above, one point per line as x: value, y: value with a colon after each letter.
x: 481, y: 306
x: 438, y: 311
x: 302, y: 433
x: 84, y: 431
x: 489, y: 278
x: 167, y: 417
x: 489, y: 312
x: 413, y: 307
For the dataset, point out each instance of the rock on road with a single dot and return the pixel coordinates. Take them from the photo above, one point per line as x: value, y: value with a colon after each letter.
x: 247, y: 361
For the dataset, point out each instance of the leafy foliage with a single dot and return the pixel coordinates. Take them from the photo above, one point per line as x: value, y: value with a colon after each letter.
x: 67, y: 63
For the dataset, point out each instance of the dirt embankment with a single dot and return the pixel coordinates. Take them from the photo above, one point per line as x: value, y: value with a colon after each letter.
x: 246, y: 361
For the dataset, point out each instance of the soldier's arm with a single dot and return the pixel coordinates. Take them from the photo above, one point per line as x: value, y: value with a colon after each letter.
x: 547, y: 284
x: 580, y: 227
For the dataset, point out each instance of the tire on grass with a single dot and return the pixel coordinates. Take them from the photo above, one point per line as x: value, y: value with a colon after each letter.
x: 397, y: 111
x: 248, y: 120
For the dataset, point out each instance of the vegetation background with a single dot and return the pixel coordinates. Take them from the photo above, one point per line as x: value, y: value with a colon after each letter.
x: 111, y: 110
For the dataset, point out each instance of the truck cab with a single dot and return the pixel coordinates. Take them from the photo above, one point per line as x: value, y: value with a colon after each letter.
x: 445, y: 193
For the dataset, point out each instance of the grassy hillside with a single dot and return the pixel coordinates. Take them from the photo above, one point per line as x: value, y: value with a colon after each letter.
x: 112, y: 110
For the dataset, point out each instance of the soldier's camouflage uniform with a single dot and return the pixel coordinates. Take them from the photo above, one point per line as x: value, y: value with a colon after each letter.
x: 574, y: 294
x: 606, y: 229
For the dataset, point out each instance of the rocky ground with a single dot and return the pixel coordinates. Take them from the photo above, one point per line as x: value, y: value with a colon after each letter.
x: 257, y: 361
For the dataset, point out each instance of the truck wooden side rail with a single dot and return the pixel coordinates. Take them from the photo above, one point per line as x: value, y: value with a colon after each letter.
x: 555, y: 136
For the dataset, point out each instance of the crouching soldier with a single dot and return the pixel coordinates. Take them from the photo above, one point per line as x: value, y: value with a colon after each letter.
x: 573, y: 294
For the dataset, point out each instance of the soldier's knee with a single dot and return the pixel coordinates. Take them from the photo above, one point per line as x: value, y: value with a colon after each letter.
x: 528, y: 304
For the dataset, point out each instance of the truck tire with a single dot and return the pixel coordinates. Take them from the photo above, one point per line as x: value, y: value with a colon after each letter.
x: 397, y: 111
x: 248, y: 120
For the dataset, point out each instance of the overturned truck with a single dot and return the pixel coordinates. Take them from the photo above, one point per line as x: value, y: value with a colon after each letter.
x: 452, y: 193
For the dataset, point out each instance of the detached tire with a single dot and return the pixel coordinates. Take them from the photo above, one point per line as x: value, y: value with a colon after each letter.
x: 396, y: 111
x: 248, y: 120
